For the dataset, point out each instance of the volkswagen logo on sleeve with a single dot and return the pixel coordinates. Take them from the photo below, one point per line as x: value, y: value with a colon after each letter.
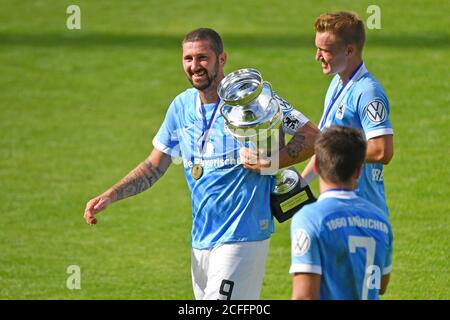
x: 376, y: 111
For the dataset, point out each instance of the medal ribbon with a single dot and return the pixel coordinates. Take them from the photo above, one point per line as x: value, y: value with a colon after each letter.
x: 197, y: 170
x: 207, y: 125
x: 335, y: 96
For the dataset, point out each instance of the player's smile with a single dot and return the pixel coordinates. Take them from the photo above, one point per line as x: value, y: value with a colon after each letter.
x: 201, y: 79
x: 199, y: 75
x: 324, y: 63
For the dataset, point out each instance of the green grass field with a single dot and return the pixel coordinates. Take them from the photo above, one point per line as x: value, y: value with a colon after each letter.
x: 79, y: 109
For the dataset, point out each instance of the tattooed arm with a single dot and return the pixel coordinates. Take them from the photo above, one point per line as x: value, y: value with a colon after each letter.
x: 139, y: 179
x: 300, y: 147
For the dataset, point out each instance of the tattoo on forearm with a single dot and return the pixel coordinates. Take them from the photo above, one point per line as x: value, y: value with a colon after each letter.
x: 296, y: 145
x: 138, y: 180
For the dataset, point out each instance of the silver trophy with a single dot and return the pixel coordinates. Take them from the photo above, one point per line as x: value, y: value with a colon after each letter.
x: 253, y: 116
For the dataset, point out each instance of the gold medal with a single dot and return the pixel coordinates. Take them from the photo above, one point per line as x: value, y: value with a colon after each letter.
x: 196, y: 171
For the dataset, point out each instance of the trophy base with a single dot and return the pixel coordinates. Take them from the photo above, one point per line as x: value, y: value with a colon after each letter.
x: 285, y: 205
x: 286, y: 180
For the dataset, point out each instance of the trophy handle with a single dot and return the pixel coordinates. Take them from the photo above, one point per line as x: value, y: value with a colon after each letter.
x: 221, y: 105
x: 270, y: 87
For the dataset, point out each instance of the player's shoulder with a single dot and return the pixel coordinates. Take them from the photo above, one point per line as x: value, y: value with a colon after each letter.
x: 187, y: 96
x: 369, y: 96
x: 368, y: 85
x: 312, y: 214
x: 368, y: 208
x: 184, y: 99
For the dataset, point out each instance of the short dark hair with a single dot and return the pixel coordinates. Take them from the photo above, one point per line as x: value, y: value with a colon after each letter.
x: 206, y: 34
x: 339, y: 152
x: 347, y: 26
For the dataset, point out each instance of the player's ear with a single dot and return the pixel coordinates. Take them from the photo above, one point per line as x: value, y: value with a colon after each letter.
x: 223, y: 58
x: 350, y: 49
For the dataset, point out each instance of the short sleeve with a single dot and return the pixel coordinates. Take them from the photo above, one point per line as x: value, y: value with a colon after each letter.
x: 292, y: 118
x: 166, y: 140
x: 373, y: 110
x: 305, y: 255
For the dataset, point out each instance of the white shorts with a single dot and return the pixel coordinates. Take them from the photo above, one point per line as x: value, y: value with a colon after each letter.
x: 229, y: 271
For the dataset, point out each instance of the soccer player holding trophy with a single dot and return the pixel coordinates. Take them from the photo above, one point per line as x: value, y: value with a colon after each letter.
x: 231, y: 216
x: 254, y: 115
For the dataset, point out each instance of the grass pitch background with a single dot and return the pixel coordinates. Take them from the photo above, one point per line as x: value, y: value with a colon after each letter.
x: 78, y: 110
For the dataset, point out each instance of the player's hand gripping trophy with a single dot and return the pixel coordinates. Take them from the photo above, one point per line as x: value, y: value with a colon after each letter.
x: 253, y: 116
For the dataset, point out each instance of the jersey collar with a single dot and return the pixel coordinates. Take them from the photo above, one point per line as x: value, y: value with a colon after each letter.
x: 362, y: 71
x: 198, y: 105
x: 340, y: 194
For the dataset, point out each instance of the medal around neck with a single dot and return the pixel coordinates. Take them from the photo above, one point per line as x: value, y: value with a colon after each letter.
x: 252, y: 115
x: 196, y: 171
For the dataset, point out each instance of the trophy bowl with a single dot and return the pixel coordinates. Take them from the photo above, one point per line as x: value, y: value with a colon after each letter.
x: 253, y: 116
x: 248, y: 106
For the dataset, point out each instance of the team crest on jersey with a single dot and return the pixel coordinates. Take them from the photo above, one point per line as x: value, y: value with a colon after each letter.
x: 340, y: 112
x: 376, y: 111
x: 301, y: 242
x: 291, y: 122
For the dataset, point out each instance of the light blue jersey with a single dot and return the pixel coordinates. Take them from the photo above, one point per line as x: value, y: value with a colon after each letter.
x: 345, y: 239
x: 229, y: 203
x: 362, y: 105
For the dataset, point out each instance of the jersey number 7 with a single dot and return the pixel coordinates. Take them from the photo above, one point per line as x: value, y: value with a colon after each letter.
x: 372, y: 274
